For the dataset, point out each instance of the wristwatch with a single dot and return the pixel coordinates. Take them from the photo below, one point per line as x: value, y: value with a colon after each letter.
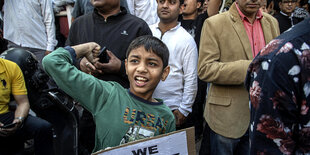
x: 20, y: 118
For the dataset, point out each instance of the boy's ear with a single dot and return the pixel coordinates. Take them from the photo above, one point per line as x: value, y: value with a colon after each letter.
x: 165, y: 73
x: 126, y: 66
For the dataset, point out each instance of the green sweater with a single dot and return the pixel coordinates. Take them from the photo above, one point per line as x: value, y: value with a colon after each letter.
x: 114, y: 108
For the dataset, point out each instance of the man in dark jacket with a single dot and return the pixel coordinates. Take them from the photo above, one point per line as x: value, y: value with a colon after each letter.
x: 285, y: 17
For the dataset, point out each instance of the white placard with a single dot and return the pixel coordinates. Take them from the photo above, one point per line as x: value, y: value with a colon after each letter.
x: 174, y: 144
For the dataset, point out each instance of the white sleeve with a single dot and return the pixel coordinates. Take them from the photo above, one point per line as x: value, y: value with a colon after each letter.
x: 49, y: 22
x: 131, y: 6
x: 190, y: 78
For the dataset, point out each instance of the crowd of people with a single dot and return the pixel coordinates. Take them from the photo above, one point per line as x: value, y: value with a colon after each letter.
x: 236, y: 70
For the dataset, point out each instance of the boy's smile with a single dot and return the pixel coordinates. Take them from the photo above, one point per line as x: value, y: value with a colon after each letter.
x: 144, y: 70
x: 141, y: 81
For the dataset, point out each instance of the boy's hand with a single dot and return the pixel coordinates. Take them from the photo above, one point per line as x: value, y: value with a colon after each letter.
x: 88, y: 50
x: 179, y: 117
x: 113, y: 66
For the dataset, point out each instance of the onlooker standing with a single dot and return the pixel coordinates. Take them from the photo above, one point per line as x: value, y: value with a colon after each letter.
x: 144, y: 9
x: 179, y: 89
x: 192, y: 23
x: 82, y: 7
x: 285, y: 17
x: 278, y: 81
x: 190, y: 20
x: 229, y: 42
x: 30, y: 25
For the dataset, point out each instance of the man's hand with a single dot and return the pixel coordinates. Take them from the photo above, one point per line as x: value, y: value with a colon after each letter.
x: 86, y: 66
x: 4, y: 132
x: 47, y: 52
x: 179, y: 118
x: 113, y: 66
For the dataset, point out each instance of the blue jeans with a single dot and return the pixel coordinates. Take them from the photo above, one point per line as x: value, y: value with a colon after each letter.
x: 33, y: 127
x: 221, y: 145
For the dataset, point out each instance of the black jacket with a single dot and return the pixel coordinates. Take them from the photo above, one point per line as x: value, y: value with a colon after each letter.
x: 116, y: 33
x: 286, y: 22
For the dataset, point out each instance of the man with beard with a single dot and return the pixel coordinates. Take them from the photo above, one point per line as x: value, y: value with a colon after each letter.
x: 112, y: 27
x: 228, y: 43
x: 278, y: 81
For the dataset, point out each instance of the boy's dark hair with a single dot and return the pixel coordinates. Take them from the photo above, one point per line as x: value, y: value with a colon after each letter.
x: 151, y: 44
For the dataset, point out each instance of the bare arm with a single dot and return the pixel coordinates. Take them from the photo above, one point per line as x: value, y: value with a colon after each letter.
x: 22, y: 107
x: 21, y: 113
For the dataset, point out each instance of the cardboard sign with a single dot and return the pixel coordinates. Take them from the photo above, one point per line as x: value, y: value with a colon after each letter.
x: 180, y: 142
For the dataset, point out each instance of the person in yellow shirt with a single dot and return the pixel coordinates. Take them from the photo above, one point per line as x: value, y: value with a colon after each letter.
x: 18, y: 126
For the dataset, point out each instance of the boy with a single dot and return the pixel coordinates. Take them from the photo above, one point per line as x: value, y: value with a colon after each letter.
x: 116, y: 110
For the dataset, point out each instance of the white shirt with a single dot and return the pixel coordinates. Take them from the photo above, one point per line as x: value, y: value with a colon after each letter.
x: 30, y: 23
x: 179, y: 89
x: 144, y: 9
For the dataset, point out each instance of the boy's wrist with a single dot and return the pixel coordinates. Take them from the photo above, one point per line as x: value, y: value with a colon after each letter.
x: 72, y: 53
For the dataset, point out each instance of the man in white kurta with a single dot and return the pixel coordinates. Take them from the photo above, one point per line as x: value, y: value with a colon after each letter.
x: 179, y: 89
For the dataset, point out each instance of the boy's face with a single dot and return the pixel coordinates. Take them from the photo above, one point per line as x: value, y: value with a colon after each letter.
x: 168, y: 10
x: 144, y: 70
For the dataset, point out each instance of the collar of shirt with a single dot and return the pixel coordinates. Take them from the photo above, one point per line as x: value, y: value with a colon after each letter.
x: 172, y: 29
x: 259, y: 15
x: 284, y: 14
x: 254, y: 31
x: 112, y: 17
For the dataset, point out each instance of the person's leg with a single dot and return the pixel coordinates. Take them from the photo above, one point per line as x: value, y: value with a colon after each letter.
x: 42, y: 133
x: 221, y: 145
x: 205, y: 148
x: 198, y: 108
x: 243, y: 147
x: 13, y: 143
